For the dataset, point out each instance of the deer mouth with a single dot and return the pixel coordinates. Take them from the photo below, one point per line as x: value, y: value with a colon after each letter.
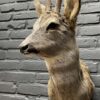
x: 33, y: 50
x: 28, y: 49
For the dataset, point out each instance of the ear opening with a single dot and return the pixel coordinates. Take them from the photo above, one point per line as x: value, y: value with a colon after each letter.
x: 71, y: 8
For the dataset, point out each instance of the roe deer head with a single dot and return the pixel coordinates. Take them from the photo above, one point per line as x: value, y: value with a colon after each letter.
x: 52, y: 32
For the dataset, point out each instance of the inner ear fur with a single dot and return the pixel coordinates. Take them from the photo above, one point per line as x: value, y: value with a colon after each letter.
x: 71, y: 8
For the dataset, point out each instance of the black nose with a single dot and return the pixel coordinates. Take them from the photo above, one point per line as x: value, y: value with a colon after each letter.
x: 27, y: 49
x: 23, y: 49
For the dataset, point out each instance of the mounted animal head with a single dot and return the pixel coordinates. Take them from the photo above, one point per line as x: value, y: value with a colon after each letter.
x: 53, y: 31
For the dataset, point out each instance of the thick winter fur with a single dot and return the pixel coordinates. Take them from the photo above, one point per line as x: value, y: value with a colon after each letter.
x: 53, y: 38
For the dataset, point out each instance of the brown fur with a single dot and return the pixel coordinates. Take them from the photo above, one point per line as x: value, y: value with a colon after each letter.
x: 53, y: 38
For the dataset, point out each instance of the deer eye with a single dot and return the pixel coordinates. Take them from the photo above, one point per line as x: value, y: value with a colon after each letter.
x: 52, y: 26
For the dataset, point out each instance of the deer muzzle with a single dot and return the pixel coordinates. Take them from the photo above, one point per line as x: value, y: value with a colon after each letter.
x: 28, y: 49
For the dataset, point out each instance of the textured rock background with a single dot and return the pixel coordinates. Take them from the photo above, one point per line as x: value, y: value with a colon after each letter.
x: 26, y: 79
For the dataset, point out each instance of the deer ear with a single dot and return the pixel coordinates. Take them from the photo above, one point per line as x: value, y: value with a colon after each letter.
x: 40, y: 8
x: 71, y: 8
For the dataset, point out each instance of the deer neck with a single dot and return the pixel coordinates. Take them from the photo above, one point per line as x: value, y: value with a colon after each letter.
x: 63, y: 62
x: 64, y: 70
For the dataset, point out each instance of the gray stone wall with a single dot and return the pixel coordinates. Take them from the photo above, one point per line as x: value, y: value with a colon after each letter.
x: 22, y: 78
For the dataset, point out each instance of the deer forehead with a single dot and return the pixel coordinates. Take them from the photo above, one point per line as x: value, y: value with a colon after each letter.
x: 45, y: 20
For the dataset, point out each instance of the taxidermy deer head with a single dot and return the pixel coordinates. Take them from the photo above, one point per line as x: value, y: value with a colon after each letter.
x: 52, y: 32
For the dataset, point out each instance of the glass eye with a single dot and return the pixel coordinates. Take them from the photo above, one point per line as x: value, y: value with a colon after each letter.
x: 52, y: 26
